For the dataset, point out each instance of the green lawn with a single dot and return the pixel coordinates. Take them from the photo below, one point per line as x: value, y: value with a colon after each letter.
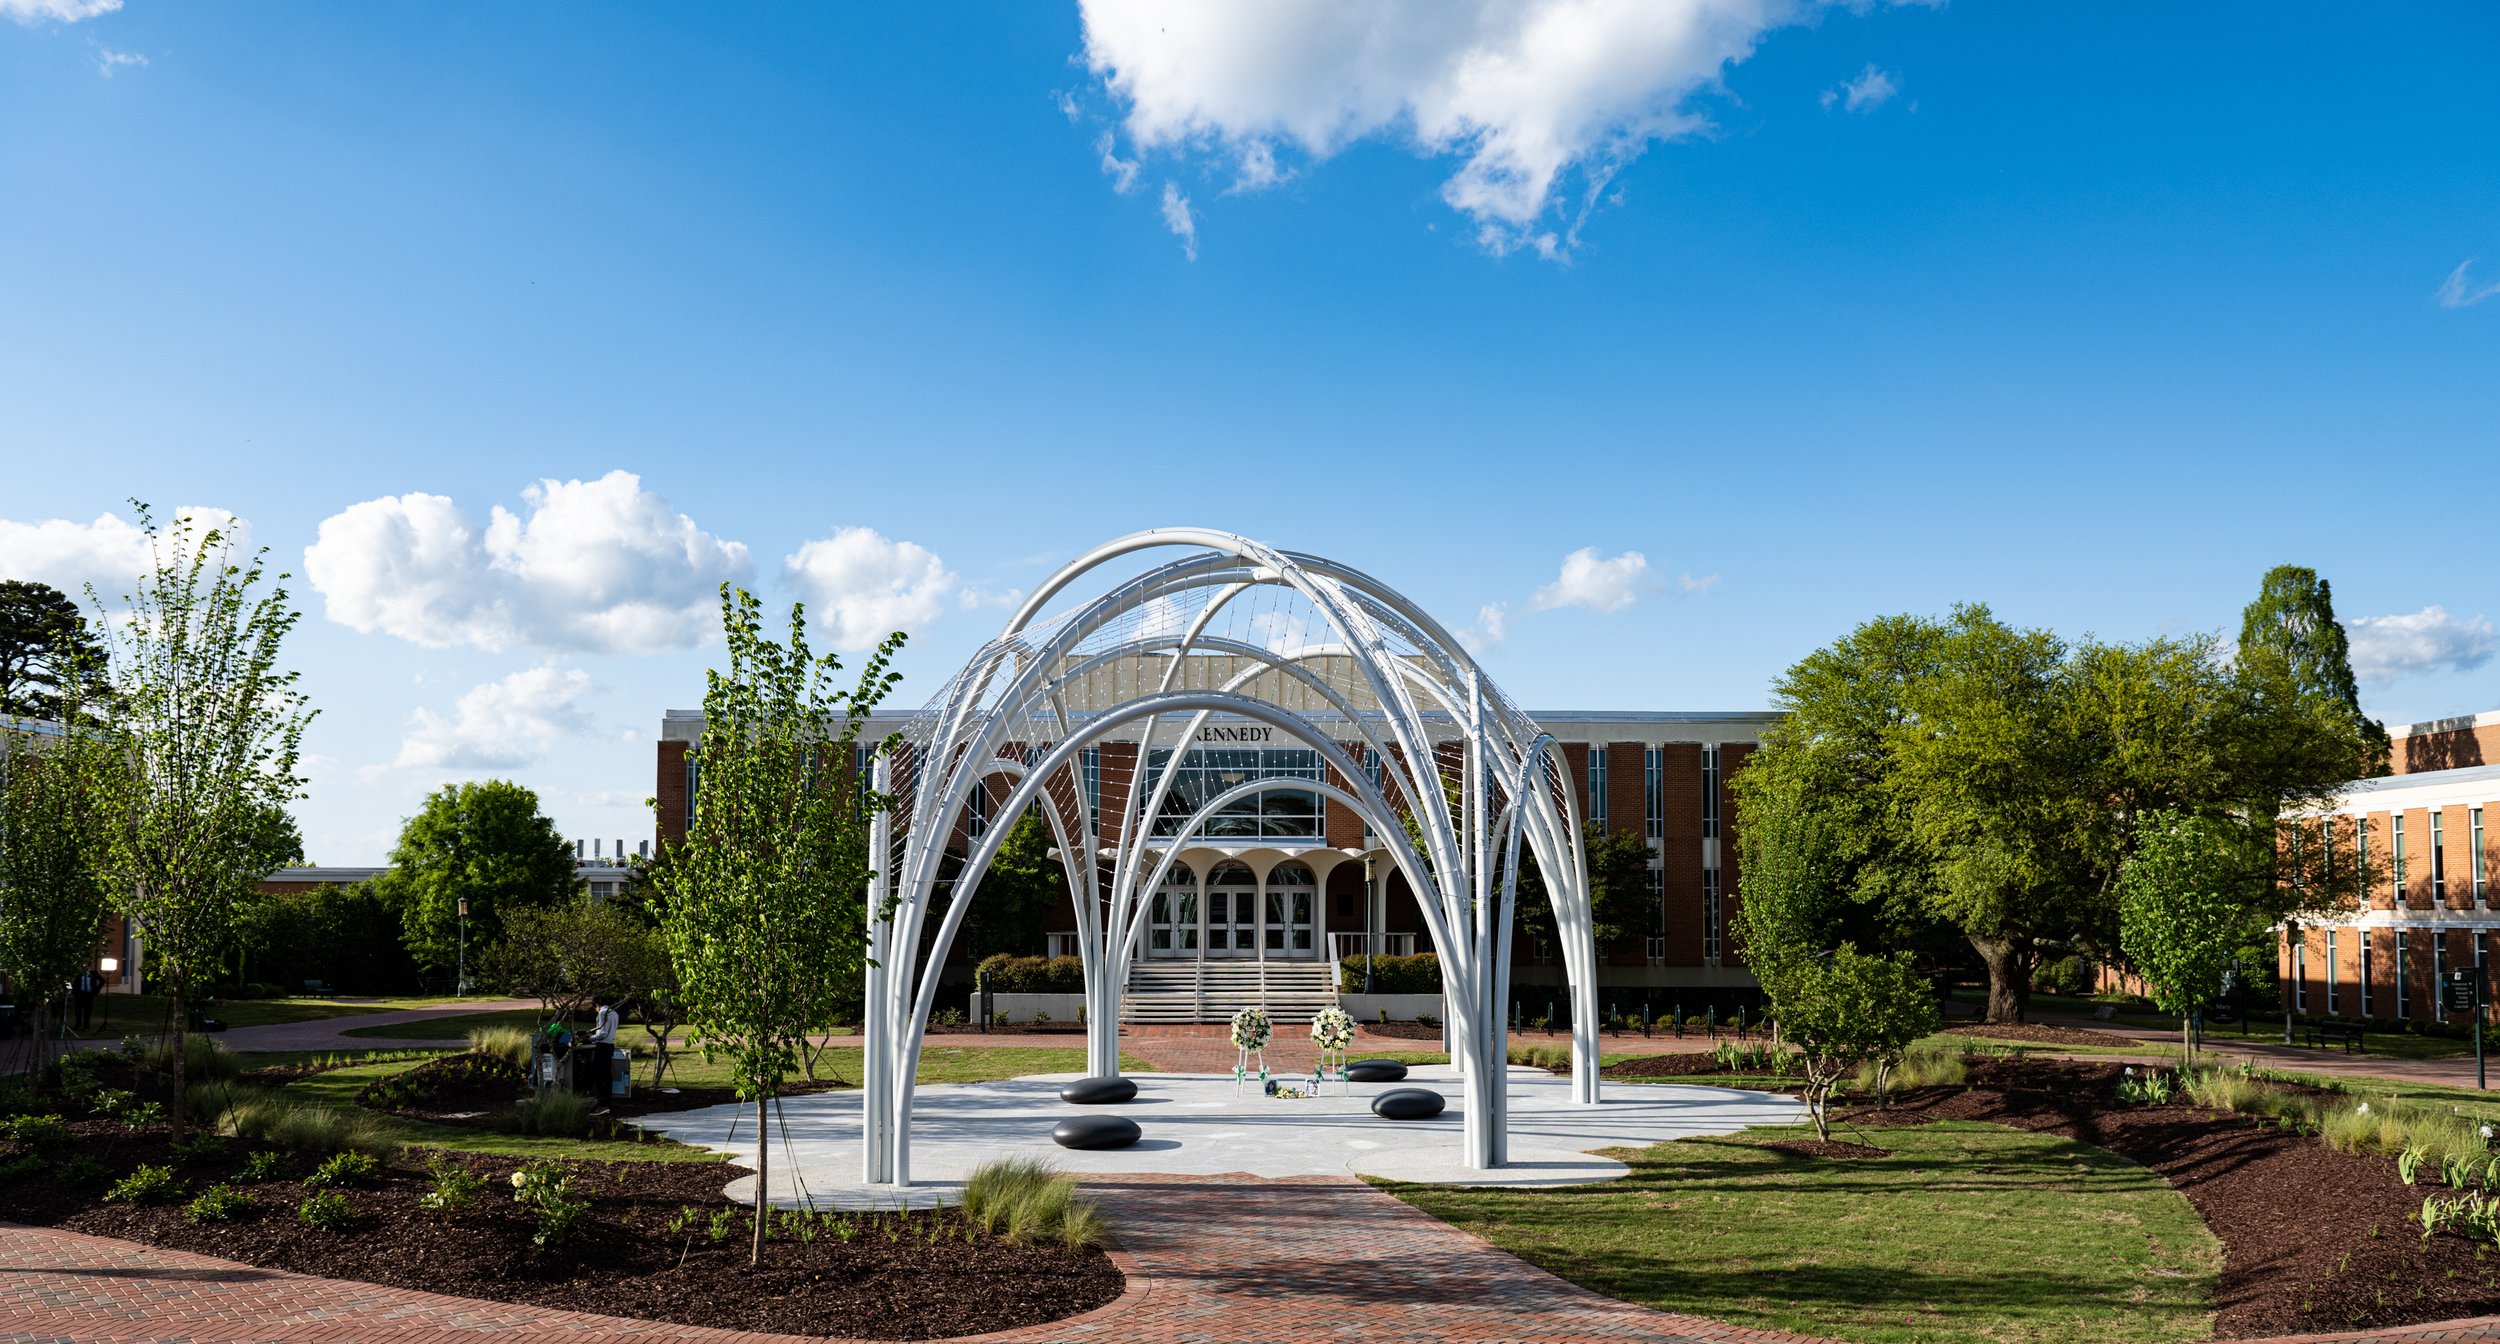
x: 1966, y: 1234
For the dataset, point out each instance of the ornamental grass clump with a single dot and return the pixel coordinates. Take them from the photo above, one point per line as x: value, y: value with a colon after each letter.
x: 1027, y: 1201
x: 1923, y: 1064
x: 556, y: 1114
x: 304, y: 1127
x: 507, y: 1043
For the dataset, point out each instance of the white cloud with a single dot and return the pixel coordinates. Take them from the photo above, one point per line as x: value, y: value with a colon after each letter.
x: 500, y: 724
x: 1870, y: 90
x: 110, y: 553
x: 600, y: 565
x: 1696, y: 587
x: 1492, y: 627
x: 870, y: 586
x: 1177, y: 218
x: 1525, y: 92
x: 60, y: 11
x: 2386, y: 648
x: 108, y: 60
x: 2458, y: 292
x: 1599, y: 585
x: 1122, y: 172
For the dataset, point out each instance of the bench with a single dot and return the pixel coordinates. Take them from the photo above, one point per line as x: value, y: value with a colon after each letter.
x: 2336, y: 1033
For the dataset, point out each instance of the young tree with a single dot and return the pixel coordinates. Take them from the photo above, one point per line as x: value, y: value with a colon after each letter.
x: 485, y: 841
x: 209, y: 727
x: 571, y: 956
x: 56, y: 786
x: 44, y: 645
x: 2192, y: 895
x: 764, y: 903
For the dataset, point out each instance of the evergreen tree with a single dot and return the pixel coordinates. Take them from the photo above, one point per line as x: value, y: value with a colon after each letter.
x: 44, y: 642
x: 2295, y: 660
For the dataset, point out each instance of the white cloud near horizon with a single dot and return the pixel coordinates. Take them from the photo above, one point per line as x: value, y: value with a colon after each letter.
x: 2389, y: 648
x: 110, y: 553
x: 2458, y: 292
x: 1532, y: 95
x: 1599, y: 584
x: 58, y: 11
x: 1870, y: 90
x: 593, y: 566
x: 866, y: 586
x: 500, y: 724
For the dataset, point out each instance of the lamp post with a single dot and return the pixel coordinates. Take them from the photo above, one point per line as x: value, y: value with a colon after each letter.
x: 462, y: 985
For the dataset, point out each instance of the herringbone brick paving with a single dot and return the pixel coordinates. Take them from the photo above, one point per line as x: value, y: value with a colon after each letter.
x: 1221, y: 1261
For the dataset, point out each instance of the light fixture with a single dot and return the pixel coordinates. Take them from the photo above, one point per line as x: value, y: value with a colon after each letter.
x: 111, y: 964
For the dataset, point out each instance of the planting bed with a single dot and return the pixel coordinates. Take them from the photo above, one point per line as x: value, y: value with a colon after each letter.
x: 916, y: 1276
x: 2034, y: 1032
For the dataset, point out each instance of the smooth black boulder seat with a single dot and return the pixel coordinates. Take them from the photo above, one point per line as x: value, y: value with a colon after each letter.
x: 1375, y: 1071
x: 1094, y: 1131
x: 1098, y: 1092
x: 1408, y: 1103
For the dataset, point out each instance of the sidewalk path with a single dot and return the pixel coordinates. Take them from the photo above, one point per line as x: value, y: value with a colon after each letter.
x: 330, y: 1033
x: 1209, y: 1261
x: 2268, y: 1052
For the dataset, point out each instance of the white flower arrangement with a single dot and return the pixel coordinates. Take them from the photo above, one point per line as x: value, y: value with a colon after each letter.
x: 1332, y: 1029
x: 1252, y: 1030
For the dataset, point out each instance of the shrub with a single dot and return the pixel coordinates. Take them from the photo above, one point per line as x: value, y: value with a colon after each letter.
x: 1417, y: 974
x: 219, y: 1203
x: 457, y: 1079
x: 556, y: 1114
x: 110, y: 1101
x: 205, y: 1059
x: 454, y: 1186
x: 147, y: 1185
x: 341, y: 1170
x: 544, y: 1190
x: 1026, y: 1201
x: 2150, y: 1088
x: 1008, y: 973
x: 38, y: 1132
x: 200, y: 1152
x: 83, y: 1170
x: 1551, y: 1058
x: 142, y: 1115
x: 21, y: 1167
x: 511, y: 1044
x: 304, y: 1127
x: 326, y: 1211
x: 265, y: 1165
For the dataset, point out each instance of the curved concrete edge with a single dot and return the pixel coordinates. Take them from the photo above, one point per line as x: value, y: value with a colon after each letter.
x: 1529, y: 1169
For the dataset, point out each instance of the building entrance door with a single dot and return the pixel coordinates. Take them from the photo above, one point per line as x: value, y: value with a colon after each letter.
x: 1172, y: 926
x: 1232, y: 913
x: 1290, y: 894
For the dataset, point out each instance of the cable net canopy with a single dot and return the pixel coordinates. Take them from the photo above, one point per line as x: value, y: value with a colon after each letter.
x: 1090, y: 714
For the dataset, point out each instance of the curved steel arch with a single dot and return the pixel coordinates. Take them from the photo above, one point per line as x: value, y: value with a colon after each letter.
x: 1478, y: 778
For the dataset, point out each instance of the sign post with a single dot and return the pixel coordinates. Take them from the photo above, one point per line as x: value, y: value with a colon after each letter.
x: 2465, y: 995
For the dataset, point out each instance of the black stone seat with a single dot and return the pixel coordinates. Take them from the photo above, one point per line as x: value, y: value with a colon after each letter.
x: 1408, y: 1103
x: 1375, y: 1071
x: 1094, y: 1131
x: 1098, y: 1092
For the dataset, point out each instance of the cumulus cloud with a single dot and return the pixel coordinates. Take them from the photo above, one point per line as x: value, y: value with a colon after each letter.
x: 870, y: 586
x: 1870, y: 90
x: 602, y: 566
x: 1597, y: 584
x: 2457, y: 291
x: 1177, y: 218
x: 2387, y: 648
x: 59, y: 11
x: 1122, y: 172
x: 1528, y: 94
x: 1491, y: 629
x: 110, y: 553
x: 500, y: 724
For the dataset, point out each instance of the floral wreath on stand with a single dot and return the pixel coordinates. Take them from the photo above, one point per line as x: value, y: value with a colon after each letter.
x: 1332, y: 1030
x: 1250, y: 1034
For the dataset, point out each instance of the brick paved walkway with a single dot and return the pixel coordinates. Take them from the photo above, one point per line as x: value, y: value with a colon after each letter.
x: 1209, y: 1262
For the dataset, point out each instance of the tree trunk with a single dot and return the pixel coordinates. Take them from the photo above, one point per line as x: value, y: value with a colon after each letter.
x: 763, y: 1173
x: 2187, y: 1041
x: 182, y: 1032
x: 2009, y: 977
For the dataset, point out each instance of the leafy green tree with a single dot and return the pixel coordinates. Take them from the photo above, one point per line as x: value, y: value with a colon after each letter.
x: 2192, y: 897
x: 483, y: 840
x: 764, y: 903
x: 56, y: 792
x: 44, y: 645
x: 1620, y: 904
x: 2294, y: 660
x: 340, y: 933
x: 1019, y: 894
x: 573, y: 955
x: 210, y: 728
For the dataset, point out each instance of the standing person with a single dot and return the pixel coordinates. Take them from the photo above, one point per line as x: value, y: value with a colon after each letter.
x: 602, y: 1052
x: 83, y: 991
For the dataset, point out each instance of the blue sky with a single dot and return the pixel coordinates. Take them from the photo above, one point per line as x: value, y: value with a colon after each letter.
x: 2092, y: 312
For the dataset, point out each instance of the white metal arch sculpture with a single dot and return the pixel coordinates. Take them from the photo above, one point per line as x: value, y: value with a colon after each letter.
x: 1317, y: 652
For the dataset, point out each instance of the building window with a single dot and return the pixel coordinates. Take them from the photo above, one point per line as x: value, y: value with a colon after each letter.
x: 1597, y: 786
x: 1710, y: 915
x: 2300, y: 974
x: 977, y: 809
x: 1276, y: 814
x: 1709, y: 793
x: 2396, y: 856
x: 2365, y: 972
x: 1654, y: 791
x: 2439, y: 862
x: 2404, y: 991
x: 2439, y: 973
x: 1658, y: 894
x: 2361, y: 849
x: 2474, y: 828
x: 1371, y: 766
x: 2326, y: 851
x: 2334, y: 1004
x: 1089, y: 765
x: 693, y: 774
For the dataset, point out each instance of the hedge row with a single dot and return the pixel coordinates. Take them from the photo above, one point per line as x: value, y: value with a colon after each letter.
x: 1418, y: 974
x: 1007, y: 973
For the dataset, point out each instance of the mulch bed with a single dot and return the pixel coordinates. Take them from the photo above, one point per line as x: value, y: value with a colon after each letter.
x: 917, y: 1276
x: 2027, y: 1031
x: 1662, y: 1066
x: 2315, y: 1240
x: 1401, y: 1031
x: 1008, y: 1029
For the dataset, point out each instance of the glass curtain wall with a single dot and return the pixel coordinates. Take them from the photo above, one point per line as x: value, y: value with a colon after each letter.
x: 1277, y: 814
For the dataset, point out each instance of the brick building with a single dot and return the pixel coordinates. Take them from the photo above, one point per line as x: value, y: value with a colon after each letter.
x: 2429, y: 832
x: 1293, y: 877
